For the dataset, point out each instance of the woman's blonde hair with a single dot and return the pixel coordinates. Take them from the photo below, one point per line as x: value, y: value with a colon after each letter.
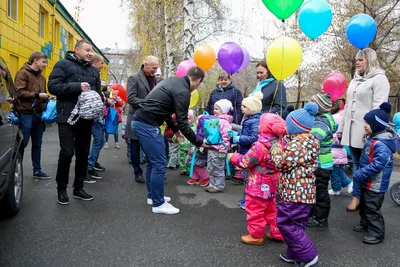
x: 372, y: 59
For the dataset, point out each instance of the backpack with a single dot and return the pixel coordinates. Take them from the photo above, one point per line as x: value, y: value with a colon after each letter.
x: 88, y: 107
x: 208, y: 129
x: 111, y: 124
x: 50, y: 114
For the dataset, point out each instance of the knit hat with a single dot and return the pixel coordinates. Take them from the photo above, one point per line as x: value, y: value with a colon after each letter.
x: 323, y: 101
x: 378, y: 119
x: 253, y: 102
x: 301, y: 120
x: 272, y: 124
x: 225, y: 105
x: 191, y: 114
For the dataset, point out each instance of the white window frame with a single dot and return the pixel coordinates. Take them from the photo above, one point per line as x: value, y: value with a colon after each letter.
x: 10, y: 11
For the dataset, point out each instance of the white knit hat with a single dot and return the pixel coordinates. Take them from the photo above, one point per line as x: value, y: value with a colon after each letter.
x: 225, y: 105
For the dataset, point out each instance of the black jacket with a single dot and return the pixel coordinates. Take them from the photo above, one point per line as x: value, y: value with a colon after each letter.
x: 168, y: 97
x: 65, y: 83
x: 271, y: 104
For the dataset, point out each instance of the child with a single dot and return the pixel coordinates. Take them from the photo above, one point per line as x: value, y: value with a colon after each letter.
x: 118, y: 103
x: 376, y: 165
x: 323, y: 129
x: 173, y: 161
x: 127, y: 141
x: 251, y: 108
x: 185, y: 145
x: 200, y: 175
x: 339, y: 178
x: 297, y: 164
x: 261, y: 181
x: 396, y: 120
x: 216, y: 155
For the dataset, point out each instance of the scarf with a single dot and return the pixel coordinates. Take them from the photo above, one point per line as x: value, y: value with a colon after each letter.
x: 261, y: 85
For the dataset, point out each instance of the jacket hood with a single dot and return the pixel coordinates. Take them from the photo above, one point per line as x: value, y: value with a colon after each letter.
x: 254, y: 116
x: 370, y: 75
x: 272, y: 125
x: 71, y: 56
x: 227, y: 117
x: 396, y: 120
x: 388, y: 137
x: 28, y: 67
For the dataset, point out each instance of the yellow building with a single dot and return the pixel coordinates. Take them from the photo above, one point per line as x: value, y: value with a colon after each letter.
x: 38, y: 25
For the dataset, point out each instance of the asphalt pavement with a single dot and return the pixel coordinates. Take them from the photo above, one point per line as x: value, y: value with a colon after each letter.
x: 118, y: 228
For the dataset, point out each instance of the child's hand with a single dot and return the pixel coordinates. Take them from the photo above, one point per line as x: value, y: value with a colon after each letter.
x: 232, y: 133
x: 236, y: 139
x: 191, y: 151
x: 229, y: 156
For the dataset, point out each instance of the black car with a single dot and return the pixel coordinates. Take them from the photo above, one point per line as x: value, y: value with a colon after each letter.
x: 11, y: 149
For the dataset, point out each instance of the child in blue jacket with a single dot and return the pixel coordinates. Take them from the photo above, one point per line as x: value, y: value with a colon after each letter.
x: 376, y: 165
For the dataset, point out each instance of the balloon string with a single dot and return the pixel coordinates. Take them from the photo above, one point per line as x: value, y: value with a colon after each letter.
x: 283, y: 51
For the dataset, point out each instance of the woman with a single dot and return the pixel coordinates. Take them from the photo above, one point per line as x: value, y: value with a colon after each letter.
x: 368, y: 90
x: 274, y: 100
x: 227, y: 90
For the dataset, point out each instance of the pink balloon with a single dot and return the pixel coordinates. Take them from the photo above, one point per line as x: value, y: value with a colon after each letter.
x: 184, y: 67
x: 336, y: 85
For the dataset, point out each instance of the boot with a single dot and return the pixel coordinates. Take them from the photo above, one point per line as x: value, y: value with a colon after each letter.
x: 353, y: 206
x: 249, y: 240
x: 274, y: 234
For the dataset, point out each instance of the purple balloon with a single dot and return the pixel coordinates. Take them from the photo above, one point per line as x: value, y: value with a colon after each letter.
x: 246, y: 59
x: 230, y: 57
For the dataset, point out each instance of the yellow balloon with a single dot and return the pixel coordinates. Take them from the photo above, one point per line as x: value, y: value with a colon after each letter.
x: 194, y: 98
x: 205, y: 57
x: 284, y: 57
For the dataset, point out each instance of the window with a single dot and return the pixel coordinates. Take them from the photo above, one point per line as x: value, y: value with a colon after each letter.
x: 121, y: 61
x: 42, y: 23
x: 111, y: 61
x: 120, y: 72
x: 57, y: 32
x: 71, y: 44
x: 13, y: 9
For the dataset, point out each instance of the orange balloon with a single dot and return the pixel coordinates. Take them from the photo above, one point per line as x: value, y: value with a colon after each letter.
x: 205, y: 57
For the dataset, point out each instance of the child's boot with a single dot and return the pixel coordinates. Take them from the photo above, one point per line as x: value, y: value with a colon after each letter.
x: 205, y: 182
x: 274, y: 234
x: 193, y: 182
x: 353, y: 206
x: 250, y: 240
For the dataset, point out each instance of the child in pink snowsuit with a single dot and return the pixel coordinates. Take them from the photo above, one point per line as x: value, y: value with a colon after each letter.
x: 262, y: 181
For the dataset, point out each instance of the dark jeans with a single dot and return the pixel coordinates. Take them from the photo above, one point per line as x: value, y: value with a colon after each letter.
x: 355, y: 157
x: 153, y: 146
x: 74, y: 140
x: 370, y: 213
x: 135, y: 157
x: 322, y: 206
x: 33, y: 126
x: 98, y: 142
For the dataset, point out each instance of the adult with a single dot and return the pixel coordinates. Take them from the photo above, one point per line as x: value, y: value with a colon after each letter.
x: 171, y: 96
x: 30, y: 87
x: 69, y: 78
x: 139, y: 86
x: 274, y: 92
x: 368, y: 90
x: 226, y: 90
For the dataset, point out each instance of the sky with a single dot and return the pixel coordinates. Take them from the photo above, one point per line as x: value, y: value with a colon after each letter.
x: 106, y: 23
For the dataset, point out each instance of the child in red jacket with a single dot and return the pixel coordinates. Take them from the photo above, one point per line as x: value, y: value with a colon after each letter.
x: 118, y: 103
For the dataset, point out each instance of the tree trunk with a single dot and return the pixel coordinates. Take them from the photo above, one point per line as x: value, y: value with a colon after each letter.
x: 170, y: 64
x: 299, y: 88
x: 189, y: 28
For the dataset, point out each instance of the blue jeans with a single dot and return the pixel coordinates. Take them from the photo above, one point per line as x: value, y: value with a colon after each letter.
x: 33, y: 126
x: 153, y: 146
x: 355, y: 157
x: 115, y: 136
x: 339, y: 178
x: 98, y: 142
x: 135, y: 156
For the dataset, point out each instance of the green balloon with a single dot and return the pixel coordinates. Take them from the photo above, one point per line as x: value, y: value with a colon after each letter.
x: 283, y: 9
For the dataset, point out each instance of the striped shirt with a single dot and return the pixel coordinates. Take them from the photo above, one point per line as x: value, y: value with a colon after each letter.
x: 324, y: 127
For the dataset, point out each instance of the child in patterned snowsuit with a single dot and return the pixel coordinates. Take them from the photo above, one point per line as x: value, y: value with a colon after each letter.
x: 185, y: 145
x: 297, y: 162
x: 262, y: 180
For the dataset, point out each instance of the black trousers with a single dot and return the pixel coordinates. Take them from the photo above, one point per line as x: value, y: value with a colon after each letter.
x: 74, y: 140
x: 370, y: 213
x: 322, y: 206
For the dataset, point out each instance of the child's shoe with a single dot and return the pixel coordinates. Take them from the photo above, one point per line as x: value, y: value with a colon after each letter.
x: 311, y: 263
x: 353, y: 206
x: 205, y: 182
x: 314, y: 222
x: 106, y: 146
x: 333, y: 193
x: 350, y: 188
x: 213, y: 190
x: 274, y: 234
x: 193, y: 182
x: 117, y: 145
x: 285, y: 258
x: 242, y: 203
x: 249, y: 240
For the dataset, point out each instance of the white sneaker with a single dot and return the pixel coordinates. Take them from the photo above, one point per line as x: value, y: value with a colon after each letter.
x: 334, y: 193
x: 165, y: 208
x: 350, y: 188
x: 150, y: 201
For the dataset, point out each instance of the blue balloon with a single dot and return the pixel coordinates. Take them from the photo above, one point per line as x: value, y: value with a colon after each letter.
x: 315, y: 17
x: 361, y: 30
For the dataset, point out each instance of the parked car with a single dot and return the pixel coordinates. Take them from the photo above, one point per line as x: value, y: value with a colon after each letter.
x: 11, y: 149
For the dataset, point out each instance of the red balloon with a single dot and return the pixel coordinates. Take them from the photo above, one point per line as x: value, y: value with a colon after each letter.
x: 336, y: 85
x: 121, y: 91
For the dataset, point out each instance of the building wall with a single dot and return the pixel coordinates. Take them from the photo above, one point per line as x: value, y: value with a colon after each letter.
x: 117, y: 66
x: 19, y: 38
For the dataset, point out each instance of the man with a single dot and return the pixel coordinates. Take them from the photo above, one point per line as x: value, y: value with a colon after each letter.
x: 138, y: 87
x: 97, y: 62
x: 168, y: 97
x: 69, y: 78
x: 30, y: 87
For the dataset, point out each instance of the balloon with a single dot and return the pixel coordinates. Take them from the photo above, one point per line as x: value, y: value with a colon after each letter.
x: 184, y: 67
x: 121, y: 91
x: 194, y: 98
x: 205, y: 57
x: 284, y: 57
x: 361, y: 30
x: 315, y: 17
x: 336, y: 85
x: 282, y: 9
x: 230, y: 57
x: 246, y: 59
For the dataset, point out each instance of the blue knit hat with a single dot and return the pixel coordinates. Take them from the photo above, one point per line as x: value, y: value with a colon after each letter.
x: 378, y: 119
x: 301, y: 120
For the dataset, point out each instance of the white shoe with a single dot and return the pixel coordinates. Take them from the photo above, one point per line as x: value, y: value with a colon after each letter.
x: 350, y: 188
x: 334, y: 193
x: 150, y: 201
x: 165, y: 208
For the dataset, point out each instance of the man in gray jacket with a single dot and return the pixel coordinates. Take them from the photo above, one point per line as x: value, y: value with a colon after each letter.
x: 139, y: 86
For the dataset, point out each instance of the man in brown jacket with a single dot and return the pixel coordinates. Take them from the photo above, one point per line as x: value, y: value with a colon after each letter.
x: 30, y: 87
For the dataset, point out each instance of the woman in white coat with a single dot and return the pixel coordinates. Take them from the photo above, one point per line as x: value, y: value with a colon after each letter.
x: 368, y: 90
